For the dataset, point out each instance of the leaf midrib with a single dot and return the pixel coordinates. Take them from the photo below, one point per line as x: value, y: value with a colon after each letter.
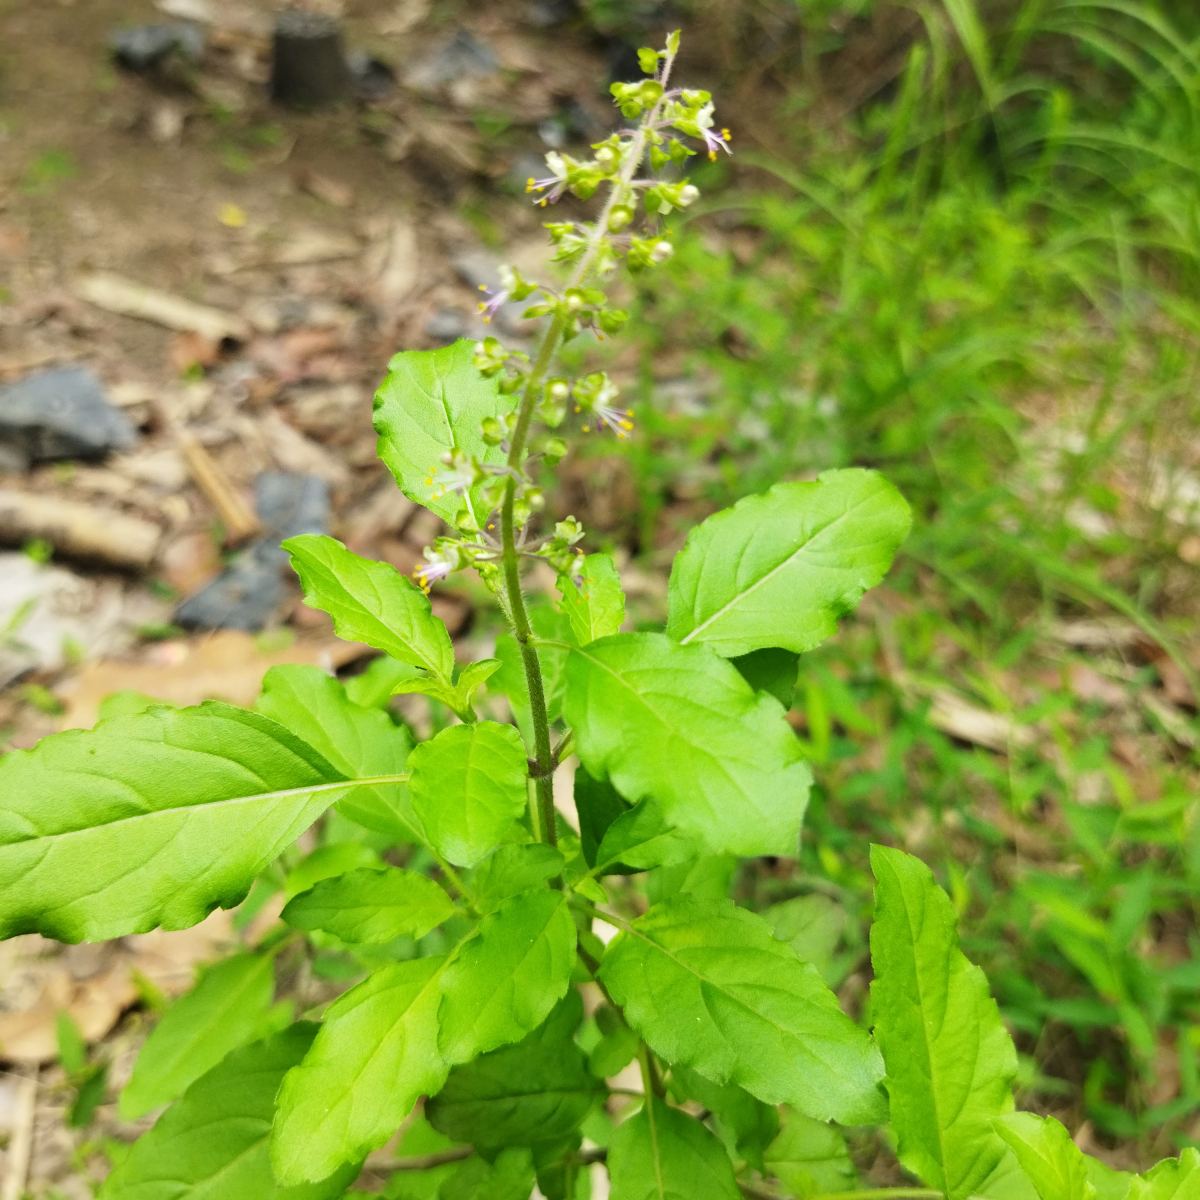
x: 309, y: 790
x: 763, y: 579
x: 705, y: 980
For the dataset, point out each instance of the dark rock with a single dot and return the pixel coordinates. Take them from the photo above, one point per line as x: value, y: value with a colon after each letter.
x: 288, y: 505
x: 371, y: 76
x: 60, y: 414
x: 247, y: 593
x: 308, y: 64
x: 145, y: 46
x: 544, y: 14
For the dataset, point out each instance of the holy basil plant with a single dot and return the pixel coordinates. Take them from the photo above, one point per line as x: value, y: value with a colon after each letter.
x: 531, y: 1002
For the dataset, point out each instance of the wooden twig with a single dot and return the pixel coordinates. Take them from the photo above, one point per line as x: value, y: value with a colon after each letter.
x: 240, y: 523
x: 419, y: 1162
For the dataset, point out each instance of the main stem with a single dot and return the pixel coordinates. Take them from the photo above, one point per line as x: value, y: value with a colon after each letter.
x: 543, y: 776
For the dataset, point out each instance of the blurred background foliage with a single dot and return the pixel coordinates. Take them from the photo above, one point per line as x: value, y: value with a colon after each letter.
x: 959, y: 242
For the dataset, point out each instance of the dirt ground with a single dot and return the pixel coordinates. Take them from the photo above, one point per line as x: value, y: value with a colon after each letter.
x: 315, y: 245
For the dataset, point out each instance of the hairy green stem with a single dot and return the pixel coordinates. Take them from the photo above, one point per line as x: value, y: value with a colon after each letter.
x: 652, y: 1084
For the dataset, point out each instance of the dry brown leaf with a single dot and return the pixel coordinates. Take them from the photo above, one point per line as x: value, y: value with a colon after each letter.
x: 1088, y: 684
x: 226, y: 665
x: 953, y: 715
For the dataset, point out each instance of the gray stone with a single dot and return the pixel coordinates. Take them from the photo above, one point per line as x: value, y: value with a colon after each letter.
x: 60, y: 414
x: 248, y: 592
x: 145, y: 46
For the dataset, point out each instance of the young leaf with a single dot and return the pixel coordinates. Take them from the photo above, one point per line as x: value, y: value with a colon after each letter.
x: 226, y: 1009
x: 458, y: 695
x: 432, y: 402
x: 468, y: 788
x: 747, y: 1126
x: 359, y: 742
x: 504, y: 981
x: 809, y: 1157
x: 780, y: 569
x: 950, y: 1061
x: 707, y: 986
x: 213, y: 1141
x: 371, y: 602
x: 538, y: 1090
x: 511, y: 869
x: 371, y: 905
x: 374, y: 687
x: 661, y: 1153
x: 375, y: 1055
x: 510, y: 1177
x: 150, y: 819
x: 1048, y: 1156
x: 680, y: 724
x: 641, y: 839
x: 595, y: 605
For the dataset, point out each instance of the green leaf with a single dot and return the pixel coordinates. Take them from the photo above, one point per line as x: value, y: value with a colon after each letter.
x: 212, y: 1144
x: 359, y: 742
x: 431, y: 402
x: 641, y: 839
x: 371, y: 905
x: 597, y: 805
x: 538, y: 1090
x: 680, y: 724
x: 812, y: 925
x: 707, y: 986
x: 468, y: 788
x: 1172, y: 1179
x: 227, y: 1008
x: 150, y: 819
x: 374, y: 687
x: 747, y: 1126
x: 510, y: 1177
x: 809, y: 1157
x: 505, y: 980
x: 772, y: 671
x: 327, y: 862
x: 617, y: 1047
x: 457, y: 696
x: 375, y: 1055
x: 780, y: 569
x: 707, y: 877
x: 950, y: 1062
x: 371, y: 602
x: 661, y: 1153
x: 1054, y: 1164
x: 595, y: 605
x: 512, y: 869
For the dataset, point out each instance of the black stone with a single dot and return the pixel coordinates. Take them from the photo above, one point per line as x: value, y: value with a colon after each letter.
x: 371, y: 76
x: 60, y: 414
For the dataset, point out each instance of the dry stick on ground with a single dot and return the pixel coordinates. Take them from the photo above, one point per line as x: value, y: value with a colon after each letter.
x: 20, y: 1144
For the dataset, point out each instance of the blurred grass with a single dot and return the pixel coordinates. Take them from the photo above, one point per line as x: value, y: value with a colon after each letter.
x: 984, y: 284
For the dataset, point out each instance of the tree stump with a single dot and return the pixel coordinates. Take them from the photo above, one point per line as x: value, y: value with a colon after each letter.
x: 309, y: 66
